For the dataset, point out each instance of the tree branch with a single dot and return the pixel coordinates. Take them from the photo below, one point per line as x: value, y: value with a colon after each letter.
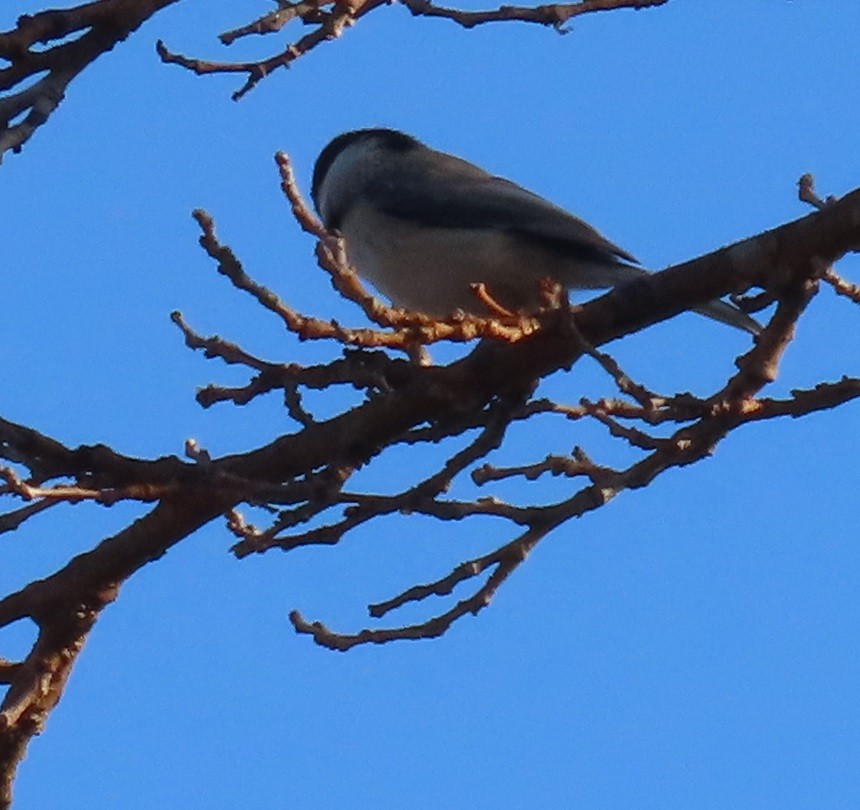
x: 300, y: 476
x: 99, y: 26
x: 334, y: 17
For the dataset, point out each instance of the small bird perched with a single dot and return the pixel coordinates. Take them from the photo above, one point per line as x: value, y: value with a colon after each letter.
x: 422, y: 226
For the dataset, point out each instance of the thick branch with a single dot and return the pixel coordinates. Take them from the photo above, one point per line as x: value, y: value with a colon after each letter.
x: 67, y: 604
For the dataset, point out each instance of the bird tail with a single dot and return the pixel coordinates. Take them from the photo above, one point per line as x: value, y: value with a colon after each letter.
x: 718, y: 310
x: 727, y: 313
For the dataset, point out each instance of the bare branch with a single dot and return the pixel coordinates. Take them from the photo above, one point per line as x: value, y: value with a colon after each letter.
x: 100, y: 26
x: 841, y: 286
x: 555, y: 15
x: 506, y: 561
x: 333, y: 18
x: 299, y: 477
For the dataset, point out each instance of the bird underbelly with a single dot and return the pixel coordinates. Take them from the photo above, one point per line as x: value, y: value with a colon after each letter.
x: 431, y: 269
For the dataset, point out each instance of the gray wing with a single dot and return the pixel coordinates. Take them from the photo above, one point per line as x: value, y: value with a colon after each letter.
x: 448, y: 192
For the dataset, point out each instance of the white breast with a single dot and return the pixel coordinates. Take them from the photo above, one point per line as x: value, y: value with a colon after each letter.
x: 430, y: 269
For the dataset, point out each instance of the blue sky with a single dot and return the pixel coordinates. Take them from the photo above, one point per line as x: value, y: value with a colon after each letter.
x: 692, y: 645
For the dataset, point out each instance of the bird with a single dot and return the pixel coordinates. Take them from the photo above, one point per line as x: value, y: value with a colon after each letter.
x: 423, y: 226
